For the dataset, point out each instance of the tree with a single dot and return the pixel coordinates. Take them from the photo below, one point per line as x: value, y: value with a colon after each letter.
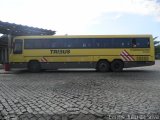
x: 157, y: 46
x: 156, y: 42
x: 157, y: 49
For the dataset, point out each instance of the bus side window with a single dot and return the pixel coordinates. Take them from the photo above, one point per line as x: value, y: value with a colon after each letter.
x: 52, y: 45
x: 17, y: 47
x: 148, y: 44
x: 134, y: 44
x: 84, y: 45
x: 143, y: 42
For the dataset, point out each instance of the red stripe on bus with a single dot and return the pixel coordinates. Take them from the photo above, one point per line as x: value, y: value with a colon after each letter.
x: 127, y: 55
x: 45, y: 59
x: 124, y: 57
x: 41, y: 60
x: 130, y: 55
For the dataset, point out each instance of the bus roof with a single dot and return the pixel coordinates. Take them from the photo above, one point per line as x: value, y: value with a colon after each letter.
x: 83, y: 36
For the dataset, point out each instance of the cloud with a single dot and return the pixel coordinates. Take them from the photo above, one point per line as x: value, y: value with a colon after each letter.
x: 118, y: 16
x: 140, y: 7
x: 73, y: 16
x: 149, y: 7
x: 80, y: 13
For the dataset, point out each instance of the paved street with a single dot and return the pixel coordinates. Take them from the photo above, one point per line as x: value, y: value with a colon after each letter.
x: 79, y: 95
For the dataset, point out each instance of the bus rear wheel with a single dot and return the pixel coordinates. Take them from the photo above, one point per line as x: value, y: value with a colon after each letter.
x: 103, y: 66
x: 117, y: 66
x: 34, y: 66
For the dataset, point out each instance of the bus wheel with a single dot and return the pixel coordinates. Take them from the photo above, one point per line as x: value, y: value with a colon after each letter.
x: 117, y: 66
x: 34, y: 66
x: 103, y: 66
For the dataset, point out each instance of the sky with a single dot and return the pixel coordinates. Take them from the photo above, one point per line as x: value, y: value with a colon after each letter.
x: 93, y: 17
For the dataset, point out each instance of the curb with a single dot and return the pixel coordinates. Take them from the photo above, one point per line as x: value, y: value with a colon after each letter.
x: 1, y: 66
x: 5, y: 72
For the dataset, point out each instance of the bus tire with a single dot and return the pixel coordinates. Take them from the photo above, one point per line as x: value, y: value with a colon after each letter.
x: 34, y: 66
x: 103, y: 66
x: 117, y: 66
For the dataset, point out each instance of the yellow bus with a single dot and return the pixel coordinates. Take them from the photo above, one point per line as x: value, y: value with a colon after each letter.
x: 102, y: 52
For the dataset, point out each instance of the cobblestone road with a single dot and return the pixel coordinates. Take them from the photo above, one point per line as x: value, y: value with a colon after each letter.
x: 79, y: 95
